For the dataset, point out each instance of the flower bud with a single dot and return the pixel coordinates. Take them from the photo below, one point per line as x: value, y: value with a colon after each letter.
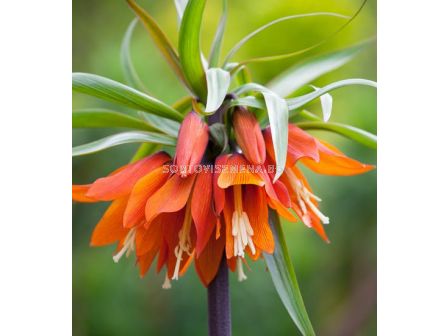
x: 248, y: 135
x: 191, y: 144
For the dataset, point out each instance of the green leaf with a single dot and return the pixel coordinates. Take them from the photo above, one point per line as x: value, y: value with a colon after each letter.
x: 298, y: 102
x: 353, y: 133
x: 326, y: 101
x: 300, y: 115
x: 101, y: 118
x: 160, y: 39
x: 249, y: 101
x: 190, y: 48
x: 218, y: 82
x: 164, y: 125
x: 130, y: 74
x: 301, y: 74
x: 120, y: 139
x: 115, y: 92
x: 238, y: 46
x: 284, y: 278
x: 143, y: 150
x: 278, y: 120
x: 217, y: 41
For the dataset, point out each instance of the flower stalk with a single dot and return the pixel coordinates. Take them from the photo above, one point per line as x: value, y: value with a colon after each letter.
x: 219, y: 319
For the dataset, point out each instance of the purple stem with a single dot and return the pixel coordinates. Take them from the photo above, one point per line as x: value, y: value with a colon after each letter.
x: 219, y: 323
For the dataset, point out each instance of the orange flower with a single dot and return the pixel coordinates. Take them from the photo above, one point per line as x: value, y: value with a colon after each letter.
x: 248, y: 135
x: 128, y: 188
x: 319, y: 157
x: 191, y: 144
x: 242, y: 193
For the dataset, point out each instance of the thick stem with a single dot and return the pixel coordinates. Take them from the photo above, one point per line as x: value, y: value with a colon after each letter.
x: 219, y: 323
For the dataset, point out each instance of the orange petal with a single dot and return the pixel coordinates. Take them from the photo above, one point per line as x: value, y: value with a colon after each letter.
x: 207, y: 264
x: 281, y: 210
x: 143, y: 189
x: 202, y: 209
x: 171, y: 197
x: 110, y: 228
x: 248, y: 135
x: 300, y: 145
x: 237, y: 170
x: 121, y: 183
x: 150, y: 238
x: 334, y: 162
x: 228, y: 213
x: 172, y: 224
x: 255, y: 205
x: 79, y: 193
x: 191, y: 143
x: 231, y: 263
x: 219, y: 195
x: 145, y: 261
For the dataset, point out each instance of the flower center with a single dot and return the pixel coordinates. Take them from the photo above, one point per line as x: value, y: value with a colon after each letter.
x: 242, y: 232
x: 128, y: 245
x: 184, y: 245
x: 305, y: 197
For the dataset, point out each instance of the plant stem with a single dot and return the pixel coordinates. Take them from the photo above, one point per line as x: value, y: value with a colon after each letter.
x: 219, y: 322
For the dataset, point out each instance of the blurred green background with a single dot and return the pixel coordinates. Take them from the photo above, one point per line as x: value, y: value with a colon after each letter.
x: 338, y: 281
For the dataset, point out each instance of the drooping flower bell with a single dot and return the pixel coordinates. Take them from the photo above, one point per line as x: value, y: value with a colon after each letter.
x: 319, y: 157
x: 191, y: 144
x: 248, y: 135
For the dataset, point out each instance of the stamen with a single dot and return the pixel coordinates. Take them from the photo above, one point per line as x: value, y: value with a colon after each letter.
x: 184, y: 241
x: 128, y: 246
x: 242, y: 231
x: 167, y: 283
x: 240, y: 270
x: 304, y: 197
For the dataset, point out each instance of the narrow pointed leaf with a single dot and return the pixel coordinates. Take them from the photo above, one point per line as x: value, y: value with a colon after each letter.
x: 353, y: 133
x: 278, y: 120
x: 298, y: 102
x: 164, y: 125
x: 284, y: 278
x: 102, y: 118
x: 190, y: 47
x: 120, y: 139
x: 238, y: 46
x: 218, y: 82
x: 301, y: 74
x: 160, y: 39
x: 249, y: 101
x: 118, y: 93
x: 217, y: 41
x: 130, y: 74
x: 326, y: 101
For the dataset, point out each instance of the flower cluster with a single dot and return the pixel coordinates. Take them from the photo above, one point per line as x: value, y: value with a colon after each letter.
x: 189, y: 215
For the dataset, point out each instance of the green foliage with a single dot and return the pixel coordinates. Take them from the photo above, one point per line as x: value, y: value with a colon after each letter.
x: 284, y: 278
x: 120, y: 139
x: 130, y: 74
x: 102, y: 118
x: 121, y: 94
x: 212, y: 86
x: 190, y: 47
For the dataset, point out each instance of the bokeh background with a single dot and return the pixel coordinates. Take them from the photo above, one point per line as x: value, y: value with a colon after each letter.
x: 338, y: 281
